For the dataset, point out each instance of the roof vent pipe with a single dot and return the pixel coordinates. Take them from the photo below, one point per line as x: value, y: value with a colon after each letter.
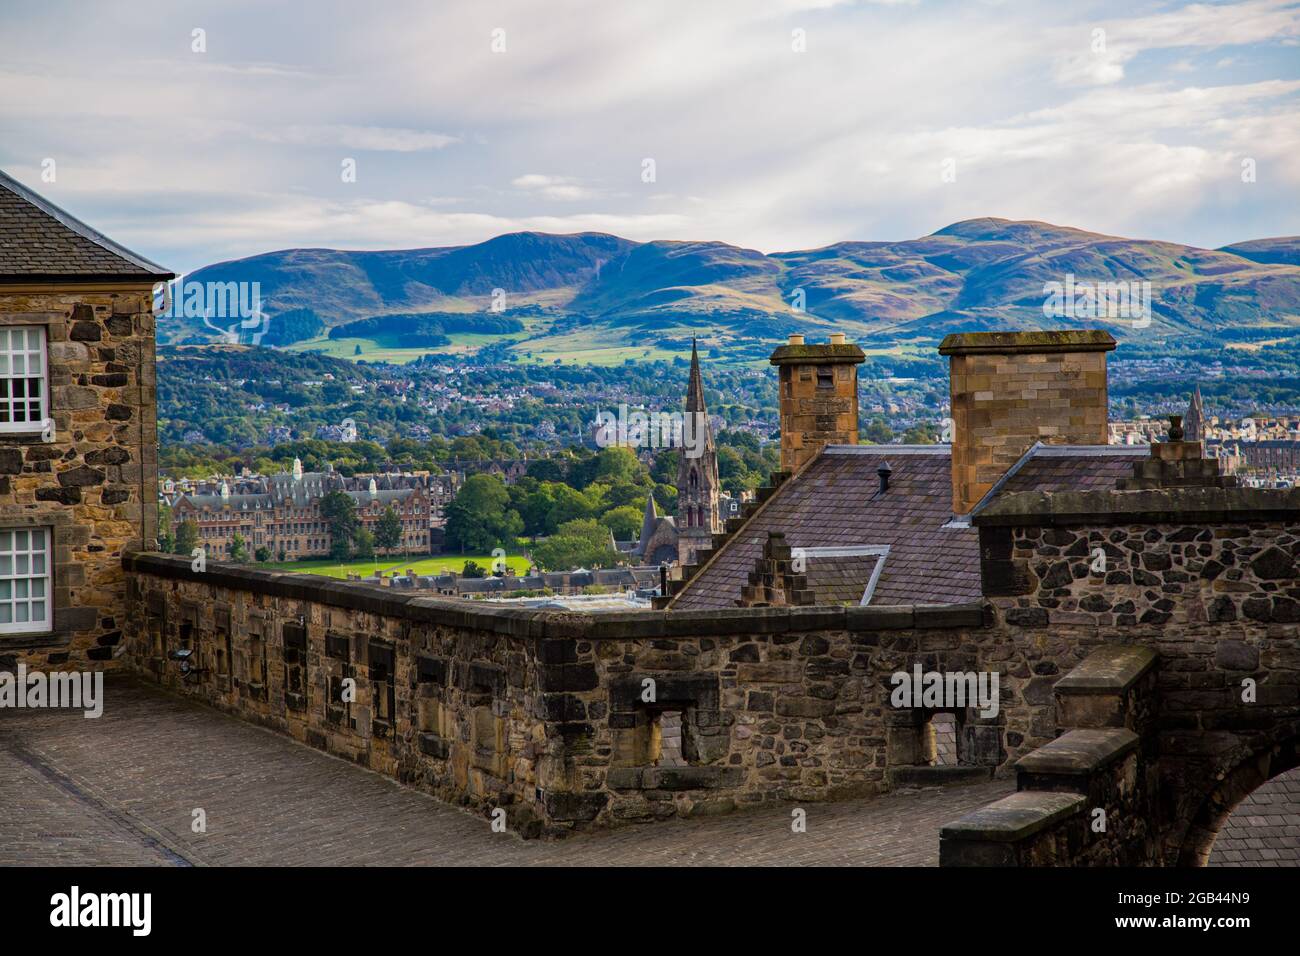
x: 884, y: 471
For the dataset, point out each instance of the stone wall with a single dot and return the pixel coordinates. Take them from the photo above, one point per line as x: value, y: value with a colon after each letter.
x: 1206, y: 578
x: 94, y: 484
x: 547, y: 713
x: 559, y: 717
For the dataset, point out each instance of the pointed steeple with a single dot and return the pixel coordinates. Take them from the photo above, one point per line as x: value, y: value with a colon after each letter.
x: 648, y: 523
x: 695, y: 390
x: 1194, y: 423
x: 697, y: 471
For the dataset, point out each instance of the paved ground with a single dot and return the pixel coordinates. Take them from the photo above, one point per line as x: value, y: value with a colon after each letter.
x: 1264, y: 830
x: 122, y: 790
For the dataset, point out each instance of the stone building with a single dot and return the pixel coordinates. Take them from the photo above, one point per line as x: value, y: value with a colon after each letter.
x: 282, y: 513
x: 697, y: 474
x: 658, y: 540
x: 78, y: 451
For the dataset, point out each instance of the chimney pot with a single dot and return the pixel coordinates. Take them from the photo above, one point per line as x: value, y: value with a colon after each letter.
x: 837, y: 338
x: 795, y: 339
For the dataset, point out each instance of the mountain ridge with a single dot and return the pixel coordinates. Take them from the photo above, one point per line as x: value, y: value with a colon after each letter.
x: 985, y: 272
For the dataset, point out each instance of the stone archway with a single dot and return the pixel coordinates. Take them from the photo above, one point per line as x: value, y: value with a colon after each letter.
x: 1236, y: 786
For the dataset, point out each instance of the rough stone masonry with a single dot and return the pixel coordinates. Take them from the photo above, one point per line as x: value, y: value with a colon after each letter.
x: 94, y: 485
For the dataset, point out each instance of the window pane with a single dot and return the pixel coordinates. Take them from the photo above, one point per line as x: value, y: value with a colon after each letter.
x: 21, y: 616
x: 38, y: 539
x: 6, y: 614
x: 38, y: 611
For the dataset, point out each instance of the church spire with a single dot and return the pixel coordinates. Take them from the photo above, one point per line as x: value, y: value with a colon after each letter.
x: 1194, y: 425
x: 695, y: 391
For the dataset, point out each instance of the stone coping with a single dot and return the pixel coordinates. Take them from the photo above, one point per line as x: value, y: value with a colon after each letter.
x: 1191, y: 505
x: 1078, y: 753
x: 818, y: 354
x: 1012, y: 343
x: 1110, y: 669
x: 1015, y: 817
x: 550, y: 623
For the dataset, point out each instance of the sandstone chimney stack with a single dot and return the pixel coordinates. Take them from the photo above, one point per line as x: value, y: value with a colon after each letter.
x: 1012, y: 389
x: 819, y: 397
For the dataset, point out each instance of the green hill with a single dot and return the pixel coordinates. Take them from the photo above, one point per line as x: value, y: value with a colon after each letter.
x: 596, y: 297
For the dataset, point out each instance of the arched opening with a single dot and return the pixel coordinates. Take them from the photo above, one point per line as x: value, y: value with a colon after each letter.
x: 1217, y: 813
x: 1264, y: 829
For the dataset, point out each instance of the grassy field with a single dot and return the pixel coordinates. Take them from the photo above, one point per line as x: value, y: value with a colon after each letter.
x: 420, y: 565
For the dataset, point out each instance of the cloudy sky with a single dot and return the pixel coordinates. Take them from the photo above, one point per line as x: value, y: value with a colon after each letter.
x: 774, y: 124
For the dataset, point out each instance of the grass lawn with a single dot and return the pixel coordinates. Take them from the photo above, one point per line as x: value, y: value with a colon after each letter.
x: 420, y: 565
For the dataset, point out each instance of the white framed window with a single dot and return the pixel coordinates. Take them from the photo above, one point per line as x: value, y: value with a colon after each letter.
x: 25, y: 603
x: 23, y: 379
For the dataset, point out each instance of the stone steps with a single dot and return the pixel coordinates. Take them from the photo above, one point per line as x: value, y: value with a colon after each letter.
x: 1103, y: 706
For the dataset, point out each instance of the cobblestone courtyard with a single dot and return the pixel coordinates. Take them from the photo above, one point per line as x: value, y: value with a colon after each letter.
x: 123, y: 790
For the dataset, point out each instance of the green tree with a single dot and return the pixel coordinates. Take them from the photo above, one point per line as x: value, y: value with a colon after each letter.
x: 570, y: 505
x: 263, y: 554
x: 388, y: 530
x: 187, y: 537
x: 480, y: 517
x: 473, y: 569
x: 340, y: 513
x: 363, y: 544
x: 617, y: 464
x: 238, y: 548
x: 166, y: 537
x: 583, y: 543
x: 877, y: 432
x: 624, y: 521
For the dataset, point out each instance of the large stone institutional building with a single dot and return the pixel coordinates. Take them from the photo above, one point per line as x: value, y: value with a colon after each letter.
x: 1140, y: 611
x: 282, y: 513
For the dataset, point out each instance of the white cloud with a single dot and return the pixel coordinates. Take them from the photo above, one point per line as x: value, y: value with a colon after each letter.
x: 358, y: 137
x: 195, y: 157
x: 563, y: 188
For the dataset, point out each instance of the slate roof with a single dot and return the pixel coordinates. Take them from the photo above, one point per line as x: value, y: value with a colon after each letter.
x: 830, y: 504
x: 841, y: 580
x: 1068, y: 468
x: 39, y: 242
x: 933, y: 559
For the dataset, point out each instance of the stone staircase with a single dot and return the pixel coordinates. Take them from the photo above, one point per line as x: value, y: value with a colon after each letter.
x: 1084, y: 798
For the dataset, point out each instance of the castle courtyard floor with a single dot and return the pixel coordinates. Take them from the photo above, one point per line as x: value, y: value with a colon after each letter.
x: 124, y: 789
